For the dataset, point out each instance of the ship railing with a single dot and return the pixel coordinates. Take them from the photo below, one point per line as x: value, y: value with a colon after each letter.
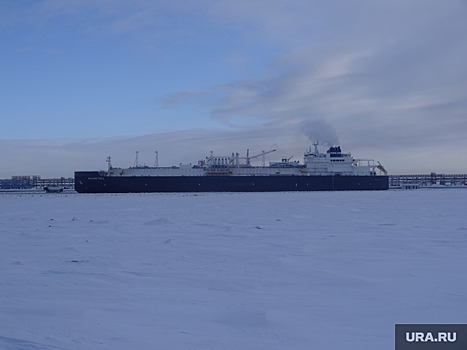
x: 360, y: 162
x: 219, y: 172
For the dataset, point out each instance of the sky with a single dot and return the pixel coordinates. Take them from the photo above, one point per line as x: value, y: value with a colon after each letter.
x: 82, y: 80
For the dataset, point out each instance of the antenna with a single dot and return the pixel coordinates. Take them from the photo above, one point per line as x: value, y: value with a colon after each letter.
x: 156, y: 162
x: 136, y: 160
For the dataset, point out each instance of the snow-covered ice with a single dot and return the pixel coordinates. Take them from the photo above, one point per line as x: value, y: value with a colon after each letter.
x: 320, y: 270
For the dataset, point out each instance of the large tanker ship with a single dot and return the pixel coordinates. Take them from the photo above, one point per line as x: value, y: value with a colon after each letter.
x: 330, y: 171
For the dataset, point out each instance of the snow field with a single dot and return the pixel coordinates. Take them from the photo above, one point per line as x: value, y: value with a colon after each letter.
x: 320, y: 270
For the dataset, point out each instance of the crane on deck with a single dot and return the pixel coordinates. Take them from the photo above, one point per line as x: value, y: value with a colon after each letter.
x: 262, y: 154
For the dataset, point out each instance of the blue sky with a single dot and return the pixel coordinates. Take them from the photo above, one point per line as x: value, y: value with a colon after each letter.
x: 80, y: 80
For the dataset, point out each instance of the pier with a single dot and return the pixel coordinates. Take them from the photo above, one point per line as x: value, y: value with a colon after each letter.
x: 425, y: 180
x: 34, y: 181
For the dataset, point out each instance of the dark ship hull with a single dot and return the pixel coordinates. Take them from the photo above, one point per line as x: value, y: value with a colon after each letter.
x: 94, y: 182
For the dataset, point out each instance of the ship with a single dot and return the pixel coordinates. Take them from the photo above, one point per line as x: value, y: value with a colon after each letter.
x: 330, y: 171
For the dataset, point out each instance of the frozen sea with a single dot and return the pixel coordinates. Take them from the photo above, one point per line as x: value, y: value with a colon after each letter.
x: 319, y: 270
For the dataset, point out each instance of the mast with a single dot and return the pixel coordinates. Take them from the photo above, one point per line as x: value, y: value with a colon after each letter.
x: 316, y: 147
x: 109, y: 165
x: 136, y: 160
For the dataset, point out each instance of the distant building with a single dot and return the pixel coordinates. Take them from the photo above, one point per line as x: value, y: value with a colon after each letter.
x: 26, y: 178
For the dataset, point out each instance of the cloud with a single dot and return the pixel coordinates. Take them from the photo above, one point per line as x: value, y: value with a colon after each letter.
x: 60, y: 158
x: 320, y: 131
x: 183, y: 96
x: 142, y: 22
x: 57, y: 158
x: 389, y: 77
x: 403, y: 82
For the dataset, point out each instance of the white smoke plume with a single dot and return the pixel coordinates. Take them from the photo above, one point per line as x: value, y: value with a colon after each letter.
x: 318, y: 130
